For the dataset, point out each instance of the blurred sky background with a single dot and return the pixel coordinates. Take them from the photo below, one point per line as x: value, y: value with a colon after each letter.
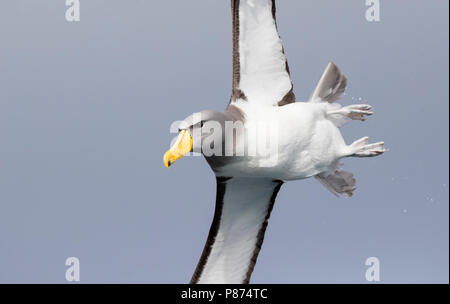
x: 85, y: 111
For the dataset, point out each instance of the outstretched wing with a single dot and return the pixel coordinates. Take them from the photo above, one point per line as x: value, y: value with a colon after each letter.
x: 243, y: 207
x: 260, y: 68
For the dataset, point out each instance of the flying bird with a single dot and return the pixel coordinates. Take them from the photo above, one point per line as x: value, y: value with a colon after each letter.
x: 294, y: 140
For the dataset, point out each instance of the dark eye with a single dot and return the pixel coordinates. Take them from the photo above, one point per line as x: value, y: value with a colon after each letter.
x: 201, y: 124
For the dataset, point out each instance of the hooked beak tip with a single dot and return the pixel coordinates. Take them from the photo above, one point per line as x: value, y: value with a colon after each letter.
x: 167, y: 161
x: 182, y: 145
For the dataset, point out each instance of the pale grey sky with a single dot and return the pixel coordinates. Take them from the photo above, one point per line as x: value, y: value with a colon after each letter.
x: 85, y: 110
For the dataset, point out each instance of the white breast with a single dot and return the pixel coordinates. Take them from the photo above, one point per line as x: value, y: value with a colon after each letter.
x: 290, y: 142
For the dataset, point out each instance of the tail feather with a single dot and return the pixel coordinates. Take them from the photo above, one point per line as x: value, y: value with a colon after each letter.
x: 331, y: 85
x: 338, y: 182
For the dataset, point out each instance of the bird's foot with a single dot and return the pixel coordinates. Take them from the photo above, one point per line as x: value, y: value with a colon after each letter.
x: 362, y: 148
x: 355, y: 112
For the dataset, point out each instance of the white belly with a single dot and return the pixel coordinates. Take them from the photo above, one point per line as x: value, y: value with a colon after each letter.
x: 295, y: 141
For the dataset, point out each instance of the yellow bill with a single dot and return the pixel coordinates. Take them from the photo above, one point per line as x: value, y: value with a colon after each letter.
x: 182, y: 145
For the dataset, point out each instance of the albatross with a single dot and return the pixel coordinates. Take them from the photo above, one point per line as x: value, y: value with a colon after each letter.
x: 304, y: 141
